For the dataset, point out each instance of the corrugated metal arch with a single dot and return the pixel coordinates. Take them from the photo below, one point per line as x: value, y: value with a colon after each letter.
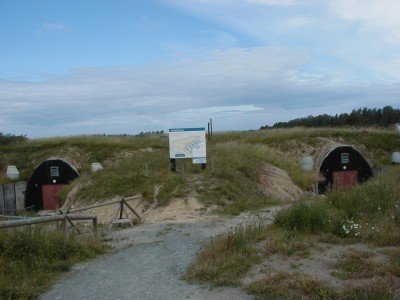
x: 328, y: 149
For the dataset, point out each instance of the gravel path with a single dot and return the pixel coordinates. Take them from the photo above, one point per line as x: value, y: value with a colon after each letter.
x: 150, y: 264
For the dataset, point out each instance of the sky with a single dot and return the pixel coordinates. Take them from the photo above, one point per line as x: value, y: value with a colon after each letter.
x: 124, y: 66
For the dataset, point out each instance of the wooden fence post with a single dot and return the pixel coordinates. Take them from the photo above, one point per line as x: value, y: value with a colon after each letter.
x: 65, y: 223
x: 95, y: 232
x: 132, y: 210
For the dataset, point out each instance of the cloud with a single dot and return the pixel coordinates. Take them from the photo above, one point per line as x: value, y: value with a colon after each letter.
x: 380, y: 17
x: 274, y: 2
x: 296, y: 22
x: 219, y: 111
x: 240, y: 88
x: 357, y: 39
x: 51, y: 27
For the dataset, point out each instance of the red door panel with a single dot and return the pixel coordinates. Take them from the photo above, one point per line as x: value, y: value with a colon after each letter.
x: 345, y: 179
x: 50, y: 199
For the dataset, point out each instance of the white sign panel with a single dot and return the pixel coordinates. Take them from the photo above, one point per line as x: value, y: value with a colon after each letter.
x: 200, y: 160
x: 187, y: 143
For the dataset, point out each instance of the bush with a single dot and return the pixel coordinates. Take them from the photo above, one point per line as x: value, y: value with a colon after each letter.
x: 311, y: 216
x: 31, y: 258
x: 8, y: 138
x: 373, y: 197
x: 224, y: 260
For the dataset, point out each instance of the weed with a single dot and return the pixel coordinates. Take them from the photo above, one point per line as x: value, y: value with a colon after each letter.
x: 365, y: 213
x: 355, y: 264
x: 394, y: 259
x: 376, y: 196
x: 288, y: 242
x: 31, y: 259
x: 224, y: 260
x: 311, y: 216
x: 375, y: 288
x: 290, y: 285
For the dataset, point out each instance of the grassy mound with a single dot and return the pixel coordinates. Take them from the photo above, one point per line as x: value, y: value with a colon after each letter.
x: 235, y: 161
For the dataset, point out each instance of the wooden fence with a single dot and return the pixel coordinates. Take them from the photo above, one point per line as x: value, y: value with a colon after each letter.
x: 65, y: 218
x: 70, y: 215
x: 12, y: 197
x: 118, y: 219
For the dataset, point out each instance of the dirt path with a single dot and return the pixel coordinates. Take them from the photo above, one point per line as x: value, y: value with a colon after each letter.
x: 150, y: 263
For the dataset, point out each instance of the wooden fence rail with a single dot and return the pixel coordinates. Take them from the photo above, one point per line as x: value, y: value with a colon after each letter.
x: 122, y: 201
x: 74, y: 210
x: 65, y: 218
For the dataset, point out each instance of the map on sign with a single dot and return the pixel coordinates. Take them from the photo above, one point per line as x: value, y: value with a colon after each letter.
x: 187, y: 143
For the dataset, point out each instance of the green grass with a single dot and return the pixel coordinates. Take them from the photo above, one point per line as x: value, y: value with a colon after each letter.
x: 138, y: 174
x: 377, y: 288
x: 376, y: 197
x: 311, y: 216
x: 231, y: 176
x: 83, y: 150
x: 297, y: 229
x: 292, y: 286
x: 367, y: 212
x: 224, y: 260
x: 231, y: 180
x: 355, y: 264
x: 378, y: 142
x: 288, y: 242
x: 283, y: 285
x: 237, y: 169
x: 31, y: 259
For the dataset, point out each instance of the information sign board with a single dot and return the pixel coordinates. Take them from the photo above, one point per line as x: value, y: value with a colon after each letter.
x: 187, y: 142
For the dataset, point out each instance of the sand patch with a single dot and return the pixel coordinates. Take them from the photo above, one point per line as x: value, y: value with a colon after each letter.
x: 177, y: 210
x: 276, y: 183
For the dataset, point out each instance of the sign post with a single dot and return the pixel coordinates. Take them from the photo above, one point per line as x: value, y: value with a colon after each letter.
x: 187, y: 143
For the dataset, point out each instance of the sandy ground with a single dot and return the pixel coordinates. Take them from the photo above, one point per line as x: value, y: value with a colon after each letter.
x: 178, y: 210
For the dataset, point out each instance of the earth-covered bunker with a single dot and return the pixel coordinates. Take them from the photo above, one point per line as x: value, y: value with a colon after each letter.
x: 46, y: 181
x: 342, y: 166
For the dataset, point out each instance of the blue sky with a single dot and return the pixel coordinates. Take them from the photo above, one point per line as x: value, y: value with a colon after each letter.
x: 83, y: 67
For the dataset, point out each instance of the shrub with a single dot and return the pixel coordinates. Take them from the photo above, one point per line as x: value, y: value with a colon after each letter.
x: 224, y: 260
x: 373, y: 197
x: 31, y: 258
x: 311, y: 216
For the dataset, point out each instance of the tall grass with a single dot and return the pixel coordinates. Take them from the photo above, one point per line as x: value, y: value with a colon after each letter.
x: 380, y: 143
x: 32, y: 258
x: 83, y: 150
x: 138, y: 174
x: 311, y: 216
x: 376, y: 196
x: 367, y: 212
x: 235, y: 162
x: 224, y: 260
x: 232, y: 176
x: 283, y: 285
x: 238, y: 166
